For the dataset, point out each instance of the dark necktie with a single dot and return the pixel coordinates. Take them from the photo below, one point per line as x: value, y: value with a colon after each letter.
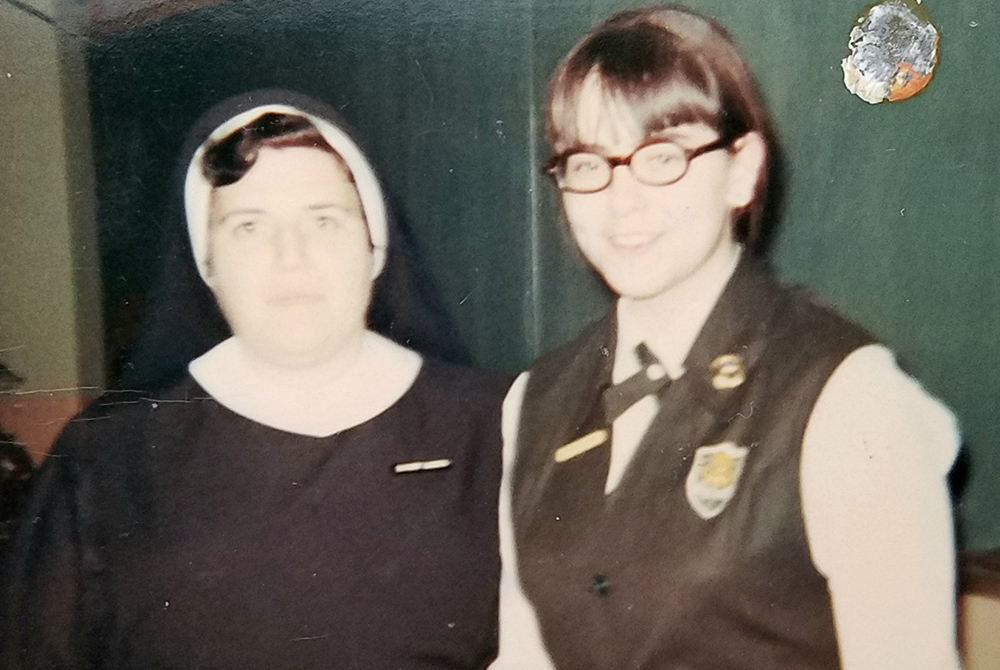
x: 649, y: 380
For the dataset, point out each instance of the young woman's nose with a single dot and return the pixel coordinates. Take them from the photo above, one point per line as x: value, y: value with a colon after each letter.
x: 624, y: 191
x: 290, y: 247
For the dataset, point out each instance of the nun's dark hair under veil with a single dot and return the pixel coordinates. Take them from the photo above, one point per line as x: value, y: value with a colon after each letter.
x: 182, y: 321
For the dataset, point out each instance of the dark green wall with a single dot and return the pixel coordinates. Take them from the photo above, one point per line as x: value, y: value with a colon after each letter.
x: 891, y: 210
x: 437, y: 89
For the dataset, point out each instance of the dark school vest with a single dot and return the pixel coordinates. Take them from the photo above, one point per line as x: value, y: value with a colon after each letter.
x: 699, y: 559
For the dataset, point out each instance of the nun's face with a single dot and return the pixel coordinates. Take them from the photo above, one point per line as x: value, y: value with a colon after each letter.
x: 290, y: 260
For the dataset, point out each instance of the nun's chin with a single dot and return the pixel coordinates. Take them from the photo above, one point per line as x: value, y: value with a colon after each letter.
x: 305, y: 349
x: 299, y: 330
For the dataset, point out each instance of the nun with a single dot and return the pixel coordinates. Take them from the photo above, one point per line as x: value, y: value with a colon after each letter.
x: 307, y: 493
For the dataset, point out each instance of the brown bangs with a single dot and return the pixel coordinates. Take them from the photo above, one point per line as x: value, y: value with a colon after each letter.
x: 676, y: 101
x: 646, y: 69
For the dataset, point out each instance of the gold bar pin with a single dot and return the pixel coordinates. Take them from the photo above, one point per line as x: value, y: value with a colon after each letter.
x: 420, y: 466
x: 581, y: 445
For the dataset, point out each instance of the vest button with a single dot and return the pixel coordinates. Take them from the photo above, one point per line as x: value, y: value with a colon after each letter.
x: 600, y: 585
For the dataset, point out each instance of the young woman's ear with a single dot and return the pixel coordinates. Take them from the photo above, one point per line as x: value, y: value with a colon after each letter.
x: 748, y: 157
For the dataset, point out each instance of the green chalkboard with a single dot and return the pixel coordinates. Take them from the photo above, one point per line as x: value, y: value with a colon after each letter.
x: 891, y: 210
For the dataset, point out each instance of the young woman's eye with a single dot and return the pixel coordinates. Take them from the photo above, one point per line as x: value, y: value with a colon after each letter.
x: 661, y: 156
x: 583, y: 163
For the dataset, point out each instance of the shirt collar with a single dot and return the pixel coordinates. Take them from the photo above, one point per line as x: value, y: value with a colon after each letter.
x: 672, y: 342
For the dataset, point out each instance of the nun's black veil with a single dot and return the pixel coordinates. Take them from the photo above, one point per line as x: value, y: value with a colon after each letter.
x: 182, y: 321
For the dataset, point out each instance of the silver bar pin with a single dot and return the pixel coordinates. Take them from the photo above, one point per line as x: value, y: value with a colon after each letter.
x: 419, y: 466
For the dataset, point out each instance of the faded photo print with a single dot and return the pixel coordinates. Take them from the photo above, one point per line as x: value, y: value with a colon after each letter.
x: 544, y: 334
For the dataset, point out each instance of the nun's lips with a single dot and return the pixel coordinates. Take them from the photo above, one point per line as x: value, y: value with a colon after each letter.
x: 295, y: 298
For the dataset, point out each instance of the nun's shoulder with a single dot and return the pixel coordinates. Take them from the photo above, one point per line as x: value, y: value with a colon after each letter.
x: 465, y: 386
x: 121, y: 416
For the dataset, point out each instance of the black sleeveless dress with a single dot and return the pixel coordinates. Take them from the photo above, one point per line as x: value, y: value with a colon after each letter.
x: 173, y: 533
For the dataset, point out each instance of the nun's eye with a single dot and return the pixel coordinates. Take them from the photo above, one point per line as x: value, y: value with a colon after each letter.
x: 336, y: 221
x: 247, y: 227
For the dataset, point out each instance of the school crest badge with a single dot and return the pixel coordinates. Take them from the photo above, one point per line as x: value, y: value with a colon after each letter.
x: 715, y: 473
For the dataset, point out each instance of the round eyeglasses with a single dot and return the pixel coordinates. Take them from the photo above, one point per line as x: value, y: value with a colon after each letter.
x: 655, y: 163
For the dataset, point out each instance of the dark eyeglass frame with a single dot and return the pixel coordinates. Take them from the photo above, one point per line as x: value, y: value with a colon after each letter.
x: 555, y: 165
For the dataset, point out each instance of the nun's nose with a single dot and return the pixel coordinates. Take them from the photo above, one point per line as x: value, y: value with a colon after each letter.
x: 291, y: 250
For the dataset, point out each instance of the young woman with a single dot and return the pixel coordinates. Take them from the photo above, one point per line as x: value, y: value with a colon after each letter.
x: 311, y: 494
x: 722, y: 473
